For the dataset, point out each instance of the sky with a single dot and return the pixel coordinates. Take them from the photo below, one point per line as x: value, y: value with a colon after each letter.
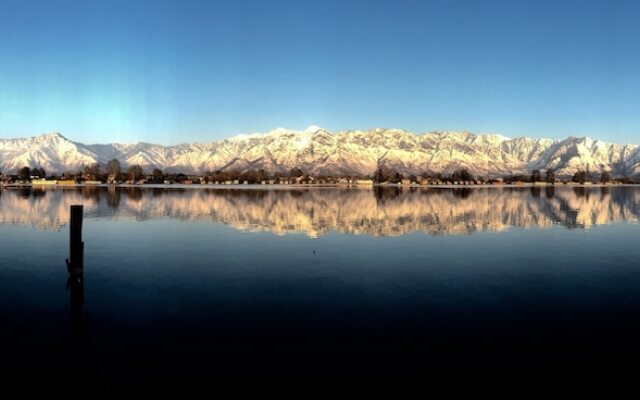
x: 196, y: 71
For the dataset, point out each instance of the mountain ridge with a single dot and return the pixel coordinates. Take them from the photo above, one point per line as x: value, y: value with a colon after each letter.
x: 352, y: 152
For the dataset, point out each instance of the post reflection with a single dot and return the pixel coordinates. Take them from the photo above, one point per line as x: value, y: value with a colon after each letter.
x: 75, y: 268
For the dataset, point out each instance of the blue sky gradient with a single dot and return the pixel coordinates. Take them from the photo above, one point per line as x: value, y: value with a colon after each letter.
x: 184, y: 71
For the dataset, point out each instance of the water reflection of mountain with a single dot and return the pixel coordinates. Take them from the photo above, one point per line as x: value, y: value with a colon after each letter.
x: 376, y: 212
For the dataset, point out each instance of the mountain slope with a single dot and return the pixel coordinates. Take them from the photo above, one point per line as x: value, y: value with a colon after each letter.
x: 316, y: 150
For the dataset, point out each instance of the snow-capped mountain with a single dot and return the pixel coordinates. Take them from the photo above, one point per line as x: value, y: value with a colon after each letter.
x: 318, y: 151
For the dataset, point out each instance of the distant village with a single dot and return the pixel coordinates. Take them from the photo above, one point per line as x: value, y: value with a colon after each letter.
x: 113, y: 174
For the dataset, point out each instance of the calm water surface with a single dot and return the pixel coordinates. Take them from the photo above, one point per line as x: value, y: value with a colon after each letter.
x: 190, y: 285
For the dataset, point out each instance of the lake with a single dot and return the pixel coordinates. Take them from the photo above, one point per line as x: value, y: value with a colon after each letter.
x: 187, y: 285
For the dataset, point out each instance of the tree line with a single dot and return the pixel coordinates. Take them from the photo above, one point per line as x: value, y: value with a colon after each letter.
x: 386, y: 174
x: 113, y: 172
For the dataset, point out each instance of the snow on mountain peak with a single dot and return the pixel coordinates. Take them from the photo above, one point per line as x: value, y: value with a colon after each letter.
x: 496, y: 136
x: 52, y: 135
x: 316, y: 150
x: 313, y: 129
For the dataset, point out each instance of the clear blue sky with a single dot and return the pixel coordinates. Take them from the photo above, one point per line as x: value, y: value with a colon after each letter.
x: 180, y: 71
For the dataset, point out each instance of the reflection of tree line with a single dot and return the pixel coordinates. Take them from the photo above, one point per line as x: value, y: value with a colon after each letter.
x: 379, y: 211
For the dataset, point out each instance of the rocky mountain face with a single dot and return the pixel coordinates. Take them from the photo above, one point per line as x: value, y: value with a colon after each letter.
x: 318, y: 151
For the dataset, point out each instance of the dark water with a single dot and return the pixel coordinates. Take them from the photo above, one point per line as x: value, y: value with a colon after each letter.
x: 186, y: 287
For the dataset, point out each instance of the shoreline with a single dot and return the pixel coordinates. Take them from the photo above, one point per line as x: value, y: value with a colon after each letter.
x: 312, y: 186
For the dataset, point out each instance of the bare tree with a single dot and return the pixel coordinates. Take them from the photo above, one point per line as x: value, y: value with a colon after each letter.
x: 134, y: 172
x: 158, y: 175
x: 551, y: 176
x: 536, y: 176
x: 581, y: 177
x: 93, y: 171
x: 113, y: 169
x: 386, y: 174
x: 462, y: 175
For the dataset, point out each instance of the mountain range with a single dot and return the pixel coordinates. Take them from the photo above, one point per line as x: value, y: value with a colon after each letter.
x: 318, y: 151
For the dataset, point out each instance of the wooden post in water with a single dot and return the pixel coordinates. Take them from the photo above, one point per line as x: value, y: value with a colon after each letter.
x: 76, y: 246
